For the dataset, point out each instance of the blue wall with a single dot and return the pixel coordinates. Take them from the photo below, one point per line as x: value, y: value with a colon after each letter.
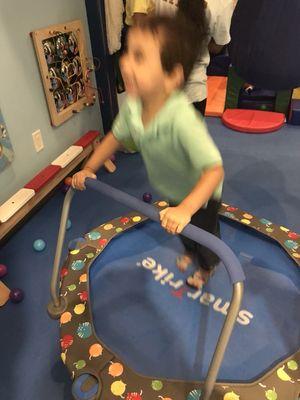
x: 22, y: 98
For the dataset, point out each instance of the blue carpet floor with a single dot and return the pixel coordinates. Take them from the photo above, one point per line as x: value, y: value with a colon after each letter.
x: 261, y: 177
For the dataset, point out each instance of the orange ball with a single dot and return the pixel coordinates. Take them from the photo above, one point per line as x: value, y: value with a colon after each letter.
x: 68, y: 181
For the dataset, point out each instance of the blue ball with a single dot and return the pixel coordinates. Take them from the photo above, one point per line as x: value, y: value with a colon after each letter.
x: 69, y: 224
x: 147, y: 197
x: 39, y: 245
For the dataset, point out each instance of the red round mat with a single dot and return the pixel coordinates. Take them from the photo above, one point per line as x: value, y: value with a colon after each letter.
x: 253, y: 121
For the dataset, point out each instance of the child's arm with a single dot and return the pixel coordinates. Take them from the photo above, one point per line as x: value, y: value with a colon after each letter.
x: 174, y: 219
x: 107, y: 147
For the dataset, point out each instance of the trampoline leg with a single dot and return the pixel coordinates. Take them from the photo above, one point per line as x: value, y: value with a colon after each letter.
x: 223, y: 340
x: 58, y: 305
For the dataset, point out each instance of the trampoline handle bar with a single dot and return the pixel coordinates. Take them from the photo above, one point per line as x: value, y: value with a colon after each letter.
x: 58, y: 305
x: 198, y: 235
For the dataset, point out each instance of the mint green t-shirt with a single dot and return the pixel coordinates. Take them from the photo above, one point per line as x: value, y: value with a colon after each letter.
x: 176, y: 146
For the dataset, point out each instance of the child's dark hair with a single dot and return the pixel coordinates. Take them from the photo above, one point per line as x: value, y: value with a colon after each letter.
x: 181, y: 37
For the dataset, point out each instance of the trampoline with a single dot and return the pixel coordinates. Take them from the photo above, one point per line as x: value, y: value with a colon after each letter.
x: 130, y: 327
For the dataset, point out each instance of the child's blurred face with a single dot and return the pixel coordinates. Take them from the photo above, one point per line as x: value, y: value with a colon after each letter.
x: 141, y: 66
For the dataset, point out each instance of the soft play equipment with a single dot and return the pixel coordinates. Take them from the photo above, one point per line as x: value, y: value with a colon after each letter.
x: 253, y: 121
x: 254, y: 98
x: 294, y: 114
x: 237, y: 96
x: 265, y: 47
x: 144, y: 303
x: 216, y: 94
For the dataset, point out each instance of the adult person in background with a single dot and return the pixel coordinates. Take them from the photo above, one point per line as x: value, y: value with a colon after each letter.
x: 218, y: 15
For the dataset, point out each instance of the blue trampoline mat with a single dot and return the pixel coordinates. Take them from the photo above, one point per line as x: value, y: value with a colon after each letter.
x: 145, y: 313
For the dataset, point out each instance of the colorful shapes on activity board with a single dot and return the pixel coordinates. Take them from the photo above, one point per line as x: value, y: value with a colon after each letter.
x: 84, y: 330
x: 83, y: 278
x: 265, y: 221
x: 83, y: 295
x: 229, y: 215
x: 231, y: 396
x: 66, y: 341
x: 282, y: 375
x: 63, y: 357
x: 136, y: 219
x: 284, y: 229
x: 271, y: 394
x: 248, y: 216
x: 232, y: 209
x: 90, y: 255
x: 134, y: 396
x: 77, y: 265
x: 94, y: 235
x: 79, y: 309
x: 194, y: 395
x: 157, y: 385
x: 118, y: 388
x: 116, y: 369
x: 80, y: 364
x: 71, y: 288
x: 269, y: 230
x: 291, y: 244
x: 246, y: 221
x: 74, y: 252
x: 95, y: 351
x: 292, y: 365
x: 65, y: 318
x: 293, y: 235
x: 64, y: 272
x: 108, y: 227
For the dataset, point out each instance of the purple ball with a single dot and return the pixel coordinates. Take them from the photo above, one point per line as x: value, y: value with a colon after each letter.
x: 16, y: 295
x: 3, y: 270
x: 64, y: 188
x: 147, y: 197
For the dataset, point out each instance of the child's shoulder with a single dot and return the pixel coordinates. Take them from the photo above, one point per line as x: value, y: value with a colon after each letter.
x: 130, y: 105
x: 185, y: 116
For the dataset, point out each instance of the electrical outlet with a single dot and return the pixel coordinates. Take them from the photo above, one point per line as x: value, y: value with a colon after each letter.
x: 38, y: 140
